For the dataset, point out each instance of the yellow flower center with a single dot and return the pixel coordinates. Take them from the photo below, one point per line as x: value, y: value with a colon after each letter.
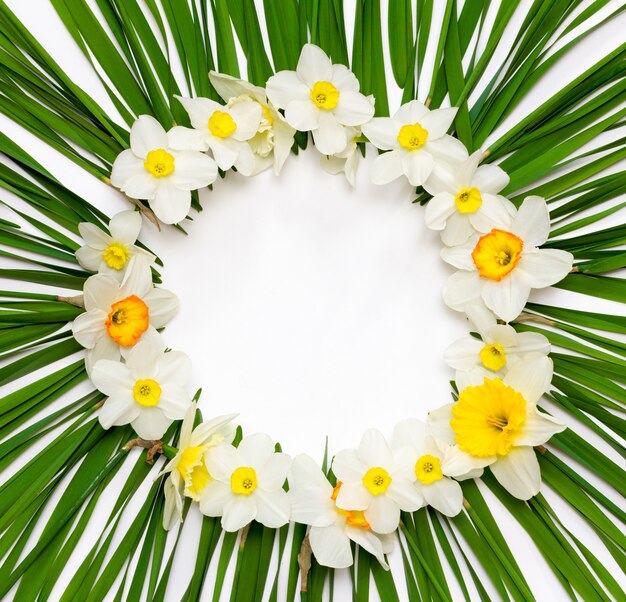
x: 147, y: 392
x: 412, y: 137
x: 267, y: 114
x: 376, y: 480
x: 324, y: 95
x: 488, y: 418
x: 355, y: 518
x: 116, y: 255
x: 193, y: 470
x: 221, y: 124
x: 468, y: 200
x: 493, y: 357
x: 243, y: 480
x: 428, y: 469
x: 159, y: 163
x: 128, y: 320
x: 496, y: 254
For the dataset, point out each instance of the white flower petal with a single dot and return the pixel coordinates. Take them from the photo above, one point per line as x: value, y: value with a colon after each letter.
x: 438, y: 210
x: 532, y: 222
x: 88, y: 328
x: 147, y: 134
x: 314, y: 65
x: 545, y: 267
x: 151, y: 423
x: 387, y: 167
x: 100, y: 292
x: 199, y: 110
x: 383, y: 514
x: 458, y: 229
x: 162, y: 305
x: 239, y: 510
x: 285, y: 87
x: 410, y: 432
x: 93, y: 236
x: 188, y: 139
x: 104, y: 349
x: 222, y: 461
x: 283, y: 141
x: 246, y: 161
x: 507, y: 297
x: 117, y: 411
x: 382, y: 132
x: 447, y: 148
x: 170, y: 204
x: 372, y: 542
x: 125, y: 226
x: 272, y: 509
x: 173, y: 506
x: 353, y: 109
x: 438, y: 122
x: 518, y: 472
x: 273, y: 474
x: 439, y: 423
x: 405, y: 494
x: 112, y: 378
x: 126, y: 166
x: 490, y: 178
x: 374, y: 449
x: 538, y: 428
x: 228, y: 86
x: 174, y: 401
x: 531, y: 376
x: 460, y: 256
x: 527, y: 342
x: 225, y: 152
x: 353, y: 496
x: 456, y: 463
x: 214, y: 497
x: 343, y: 79
x: 330, y: 137
x: 465, y: 171
x: 331, y: 546
x: 89, y: 258
x: 461, y: 289
x: 310, y: 506
x: 417, y: 166
x: 411, y: 112
x: 137, y: 279
x: 347, y: 466
x: 444, y: 495
x: 142, y: 360
x: 142, y: 185
x: 247, y: 116
x: 493, y: 213
x: 173, y: 367
x: 306, y: 473
x: 256, y: 450
x: 464, y: 353
x: 193, y: 170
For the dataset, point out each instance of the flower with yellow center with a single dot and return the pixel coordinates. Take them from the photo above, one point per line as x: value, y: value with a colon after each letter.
x: 159, y: 163
x: 496, y: 422
x: 320, y: 98
x: 127, y: 321
x: 153, y: 170
x: 247, y: 484
x: 499, y: 348
x: 148, y: 391
x: 500, y: 268
x: 111, y: 253
x: 224, y: 130
x: 417, y: 142
x: 332, y: 529
x: 436, y: 465
x: 378, y: 481
x: 466, y: 199
x: 120, y: 314
x: 187, y: 472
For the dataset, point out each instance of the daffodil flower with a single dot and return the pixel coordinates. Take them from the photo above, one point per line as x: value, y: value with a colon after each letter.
x: 117, y: 315
x: 502, y: 266
x: 466, y: 200
x: 273, y: 140
x: 223, y: 130
x: 437, y: 465
x: 147, y: 391
x: 188, y: 474
x: 314, y: 503
x: 499, y: 348
x: 497, y: 422
x: 416, y: 140
x: 111, y: 253
x: 345, y: 161
x: 247, y: 484
x: 321, y: 98
x: 154, y: 171
x: 378, y: 481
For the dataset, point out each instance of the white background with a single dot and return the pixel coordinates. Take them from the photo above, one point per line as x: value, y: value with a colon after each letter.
x: 310, y: 308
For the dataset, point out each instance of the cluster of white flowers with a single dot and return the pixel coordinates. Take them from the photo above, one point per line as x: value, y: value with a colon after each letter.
x: 501, y: 376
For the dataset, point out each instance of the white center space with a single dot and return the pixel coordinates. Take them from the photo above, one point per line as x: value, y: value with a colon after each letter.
x: 310, y: 308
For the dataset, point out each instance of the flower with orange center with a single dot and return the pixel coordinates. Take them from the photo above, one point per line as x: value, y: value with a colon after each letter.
x: 496, y: 254
x: 128, y: 320
x: 354, y: 518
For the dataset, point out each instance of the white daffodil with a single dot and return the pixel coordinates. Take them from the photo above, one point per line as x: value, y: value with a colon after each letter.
x: 466, y: 200
x: 416, y: 140
x: 497, y: 422
x: 223, y: 130
x: 148, y: 391
x: 188, y: 474
x: 321, y: 98
x: 110, y: 253
x: 117, y: 315
x: 247, y: 484
x: 437, y: 464
x: 273, y: 140
x: 152, y: 170
x: 378, y: 481
x: 347, y: 160
x: 499, y: 348
x: 502, y: 267
x: 313, y: 503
